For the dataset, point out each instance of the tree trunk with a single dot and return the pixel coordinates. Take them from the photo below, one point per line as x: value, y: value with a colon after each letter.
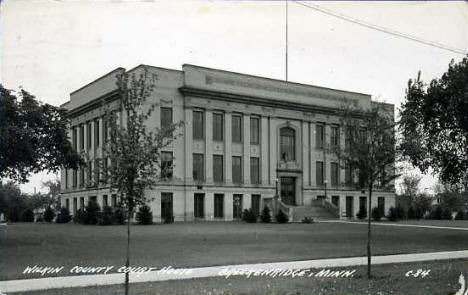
x: 369, y: 233
x: 127, y: 263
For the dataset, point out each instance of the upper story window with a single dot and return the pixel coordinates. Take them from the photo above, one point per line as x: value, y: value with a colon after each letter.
x: 198, y: 125
x: 254, y: 130
x: 82, y: 130
x: 75, y: 138
x: 335, y: 174
x: 218, y: 127
x: 236, y: 128
x: 198, y: 167
x: 166, y: 164
x: 319, y: 136
x: 319, y: 177
x: 166, y: 117
x: 255, y: 170
x: 335, y: 136
x: 89, y: 135
x: 97, y: 139
x: 287, y: 144
x: 218, y: 168
x: 237, y: 169
x: 105, y: 130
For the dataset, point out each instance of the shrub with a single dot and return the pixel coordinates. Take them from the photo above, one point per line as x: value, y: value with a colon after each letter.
x: 265, y: 217
x: 393, y: 214
x: 307, y: 220
x: 40, y: 218
x: 362, y: 213
x: 92, y: 213
x: 49, y: 215
x: 460, y: 215
x: 436, y: 213
x: 119, y: 216
x: 144, y: 215
x: 411, y: 213
x: 169, y: 219
x: 401, y: 213
x: 249, y: 216
x: 376, y: 213
x: 63, y: 216
x: 281, y: 217
x: 79, y: 216
x: 446, y: 214
x: 107, y: 216
x: 27, y: 216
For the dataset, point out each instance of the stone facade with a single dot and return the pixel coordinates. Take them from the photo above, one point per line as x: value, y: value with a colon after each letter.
x: 284, y: 145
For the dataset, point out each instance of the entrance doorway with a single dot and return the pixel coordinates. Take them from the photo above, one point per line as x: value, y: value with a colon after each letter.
x: 288, y: 190
x: 349, y: 206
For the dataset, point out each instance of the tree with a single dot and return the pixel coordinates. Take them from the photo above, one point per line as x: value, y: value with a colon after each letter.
x: 369, y: 149
x: 33, y: 137
x: 135, y: 152
x: 53, y: 193
x: 14, y: 203
x: 49, y: 215
x: 434, y: 124
x: 409, y: 188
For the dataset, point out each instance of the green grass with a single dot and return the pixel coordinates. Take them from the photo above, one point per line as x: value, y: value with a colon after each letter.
x: 206, y: 243
x: 388, y: 279
x: 429, y: 222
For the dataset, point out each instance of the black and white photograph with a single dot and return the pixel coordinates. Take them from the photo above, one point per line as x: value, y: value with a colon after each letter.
x: 233, y: 147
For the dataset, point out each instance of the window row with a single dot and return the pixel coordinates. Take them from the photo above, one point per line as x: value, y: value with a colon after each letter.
x: 219, y: 205
x: 218, y: 127
x: 105, y: 202
x: 93, y: 174
x: 79, y: 131
x: 218, y: 168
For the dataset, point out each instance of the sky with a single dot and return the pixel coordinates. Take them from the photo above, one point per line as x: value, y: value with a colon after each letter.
x: 52, y: 48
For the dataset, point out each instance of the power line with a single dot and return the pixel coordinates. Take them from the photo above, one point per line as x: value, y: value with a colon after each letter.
x: 380, y: 28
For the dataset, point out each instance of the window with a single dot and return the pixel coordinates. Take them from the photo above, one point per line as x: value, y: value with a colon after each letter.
x: 105, y: 170
x: 236, y: 128
x: 166, y: 207
x: 381, y: 204
x: 319, y: 136
x: 218, y: 127
x: 82, y: 176
x: 218, y: 205
x: 362, y: 203
x: 75, y: 205
x: 90, y: 173
x: 166, y: 117
x: 97, y: 140
x: 114, y: 201
x: 67, y: 204
x: 82, y: 204
x: 105, y: 130
x: 335, y: 174
x: 319, y: 173
x: 255, y: 170
x: 218, y: 168
x: 82, y: 137
x: 237, y: 206
x: 237, y: 169
x: 97, y: 171
x: 75, y: 178
x: 255, y: 205
x: 287, y: 144
x: 89, y: 135
x: 348, y: 175
x: 335, y: 136
x: 66, y: 178
x: 254, y: 130
x: 74, y: 138
x: 166, y: 164
x: 199, y: 205
x: 105, y: 201
x: 198, y: 125
x: 198, y: 167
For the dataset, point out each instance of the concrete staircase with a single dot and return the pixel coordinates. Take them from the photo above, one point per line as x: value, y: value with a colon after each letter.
x: 318, y: 210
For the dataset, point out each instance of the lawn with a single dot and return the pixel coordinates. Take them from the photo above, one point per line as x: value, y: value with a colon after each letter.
x: 206, y: 243
x: 388, y: 279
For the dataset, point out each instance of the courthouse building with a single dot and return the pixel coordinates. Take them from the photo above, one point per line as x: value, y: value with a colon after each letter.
x: 245, y: 139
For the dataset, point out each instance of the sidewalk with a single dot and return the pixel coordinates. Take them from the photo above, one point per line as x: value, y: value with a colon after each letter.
x: 395, y: 224
x: 202, y: 272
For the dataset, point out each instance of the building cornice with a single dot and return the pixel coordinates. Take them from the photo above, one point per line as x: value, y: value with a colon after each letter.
x: 256, y: 100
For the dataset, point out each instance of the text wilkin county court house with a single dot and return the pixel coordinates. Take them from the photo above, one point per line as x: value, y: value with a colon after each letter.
x: 244, y: 139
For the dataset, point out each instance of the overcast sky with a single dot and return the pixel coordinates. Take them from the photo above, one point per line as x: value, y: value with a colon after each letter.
x: 51, y: 48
